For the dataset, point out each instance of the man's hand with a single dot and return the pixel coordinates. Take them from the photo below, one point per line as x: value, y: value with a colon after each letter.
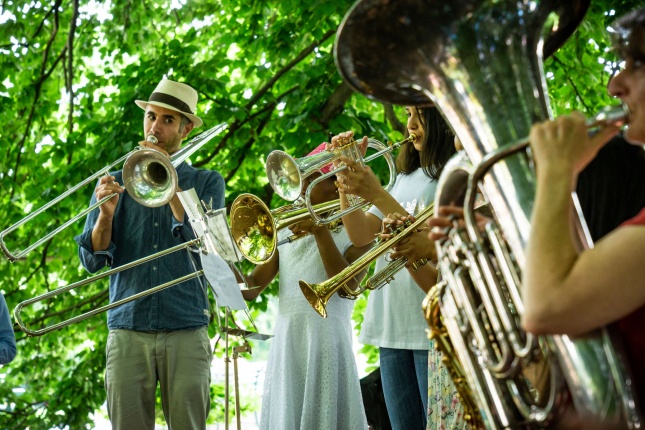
x: 106, y: 187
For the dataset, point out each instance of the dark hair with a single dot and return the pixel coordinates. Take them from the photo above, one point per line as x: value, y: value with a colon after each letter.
x: 184, y: 121
x: 611, y: 189
x: 628, y: 35
x: 438, y: 146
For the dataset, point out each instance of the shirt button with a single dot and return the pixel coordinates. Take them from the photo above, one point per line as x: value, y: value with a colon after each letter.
x: 154, y: 246
x: 156, y: 224
x: 154, y: 268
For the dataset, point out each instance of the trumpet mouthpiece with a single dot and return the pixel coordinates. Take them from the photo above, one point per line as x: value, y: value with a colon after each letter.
x: 413, y: 137
x: 152, y: 139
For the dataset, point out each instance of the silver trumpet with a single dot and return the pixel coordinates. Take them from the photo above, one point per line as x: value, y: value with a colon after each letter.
x: 286, y: 174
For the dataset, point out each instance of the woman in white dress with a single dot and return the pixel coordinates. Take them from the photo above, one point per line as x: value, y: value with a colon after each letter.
x: 311, y: 379
x: 394, y: 319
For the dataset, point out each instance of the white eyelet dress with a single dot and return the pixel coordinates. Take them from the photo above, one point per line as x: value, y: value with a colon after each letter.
x: 311, y: 380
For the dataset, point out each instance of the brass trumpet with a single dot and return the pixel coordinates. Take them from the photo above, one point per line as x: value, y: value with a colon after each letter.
x: 319, y: 294
x: 254, y: 226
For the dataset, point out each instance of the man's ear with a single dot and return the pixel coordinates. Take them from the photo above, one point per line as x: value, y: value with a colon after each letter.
x: 187, y: 129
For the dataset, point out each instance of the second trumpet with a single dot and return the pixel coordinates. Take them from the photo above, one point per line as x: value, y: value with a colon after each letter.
x: 319, y: 294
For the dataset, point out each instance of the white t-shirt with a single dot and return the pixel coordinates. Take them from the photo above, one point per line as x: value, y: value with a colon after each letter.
x: 394, y: 316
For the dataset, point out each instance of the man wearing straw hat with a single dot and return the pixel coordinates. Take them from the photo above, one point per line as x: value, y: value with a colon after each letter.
x: 160, y: 338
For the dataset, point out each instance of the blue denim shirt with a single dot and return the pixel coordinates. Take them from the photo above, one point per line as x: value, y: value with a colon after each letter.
x: 7, y: 337
x: 139, y: 231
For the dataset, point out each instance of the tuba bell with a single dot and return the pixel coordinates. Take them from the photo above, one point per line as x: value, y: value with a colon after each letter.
x: 480, y: 62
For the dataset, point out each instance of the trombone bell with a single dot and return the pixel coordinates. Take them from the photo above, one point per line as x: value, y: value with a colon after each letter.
x: 150, y: 178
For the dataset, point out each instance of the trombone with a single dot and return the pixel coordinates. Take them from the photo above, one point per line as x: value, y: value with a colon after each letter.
x: 148, y: 176
x: 286, y: 173
x: 254, y: 226
x: 319, y: 294
x: 18, y: 309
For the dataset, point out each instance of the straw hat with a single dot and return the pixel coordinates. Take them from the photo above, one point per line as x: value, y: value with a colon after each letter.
x: 174, y: 96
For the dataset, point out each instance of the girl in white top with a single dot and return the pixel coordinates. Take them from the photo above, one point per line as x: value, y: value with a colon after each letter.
x: 394, y: 318
x: 311, y: 380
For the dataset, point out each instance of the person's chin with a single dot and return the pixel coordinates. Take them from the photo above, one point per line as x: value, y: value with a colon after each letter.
x: 634, y: 135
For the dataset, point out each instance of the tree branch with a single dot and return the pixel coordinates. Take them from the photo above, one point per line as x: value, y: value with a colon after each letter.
x: 391, y: 117
x: 236, y: 125
x: 303, y: 54
x: 575, y: 88
x: 70, y: 75
x: 38, y: 86
x: 247, y: 146
x: 335, y: 104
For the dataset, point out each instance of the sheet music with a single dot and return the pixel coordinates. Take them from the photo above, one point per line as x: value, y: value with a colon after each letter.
x: 209, y: 228
x: 218, y: 224
x: 223, y: 282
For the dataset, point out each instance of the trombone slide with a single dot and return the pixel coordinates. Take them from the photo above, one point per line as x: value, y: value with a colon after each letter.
x: 18, y: 309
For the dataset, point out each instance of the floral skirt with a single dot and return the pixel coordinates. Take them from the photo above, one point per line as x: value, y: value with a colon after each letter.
x: 445, y: 411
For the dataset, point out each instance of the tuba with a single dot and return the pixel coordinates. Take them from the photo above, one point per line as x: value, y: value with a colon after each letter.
x: 480, y: 63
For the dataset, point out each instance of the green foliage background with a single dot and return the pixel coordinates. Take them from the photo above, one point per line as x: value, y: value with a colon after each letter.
x: 69, y: 76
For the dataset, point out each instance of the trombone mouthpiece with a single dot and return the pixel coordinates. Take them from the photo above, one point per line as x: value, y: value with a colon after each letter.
x: 413, y: 137
x: 152, y: 139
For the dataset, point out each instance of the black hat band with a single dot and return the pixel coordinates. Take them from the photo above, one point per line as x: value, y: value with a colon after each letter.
x: 170, y: 100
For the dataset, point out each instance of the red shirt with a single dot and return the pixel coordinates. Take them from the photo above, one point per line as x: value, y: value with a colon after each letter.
x: 632, y: 330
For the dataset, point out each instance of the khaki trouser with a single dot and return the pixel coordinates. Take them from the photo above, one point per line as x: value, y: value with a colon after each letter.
x: 178, y: 360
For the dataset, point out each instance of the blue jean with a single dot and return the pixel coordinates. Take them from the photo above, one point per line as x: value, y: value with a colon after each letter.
x: 404, y: 375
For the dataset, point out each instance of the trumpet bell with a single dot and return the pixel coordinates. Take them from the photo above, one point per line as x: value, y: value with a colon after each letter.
x: 284, y: 175
x: 253, y: 228
x: 150, y: 178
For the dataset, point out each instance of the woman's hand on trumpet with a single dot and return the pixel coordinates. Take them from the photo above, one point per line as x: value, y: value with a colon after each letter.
x: 415, y: 246
x: 356, y: 179
x: 346, y: 137
x: 305, y: 227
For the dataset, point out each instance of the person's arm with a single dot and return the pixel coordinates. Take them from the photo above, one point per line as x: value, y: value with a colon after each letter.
x: 95, y: 246
x: 7, y: 337
x: 102, y: 231
x: 260, y: 277
x: 360, y: 181
x: 414, y: 247
x: 177, y: 208
x: 565, y: 292
x: 333, y: 260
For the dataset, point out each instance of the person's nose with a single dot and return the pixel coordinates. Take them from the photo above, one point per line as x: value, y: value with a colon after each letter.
x: 616, y: 86
x: 412, y: 124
